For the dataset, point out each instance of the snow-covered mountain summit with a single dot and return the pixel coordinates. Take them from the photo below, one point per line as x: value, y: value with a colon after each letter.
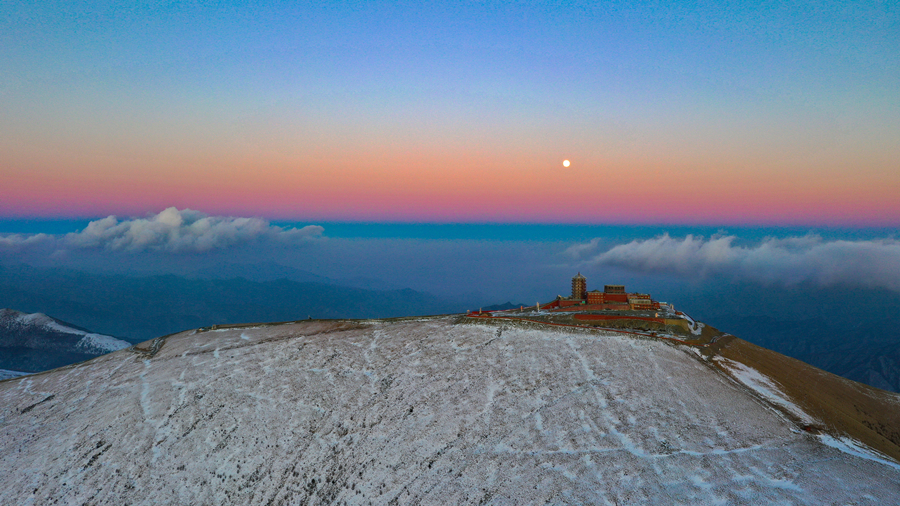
x: 448, y: 410
x: 36, y: 342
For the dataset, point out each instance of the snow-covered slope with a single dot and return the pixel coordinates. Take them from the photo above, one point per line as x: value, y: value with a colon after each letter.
x: 35, y: 342
x: 427, y: 411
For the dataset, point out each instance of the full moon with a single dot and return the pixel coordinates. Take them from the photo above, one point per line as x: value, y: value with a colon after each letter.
x: 565, y: 163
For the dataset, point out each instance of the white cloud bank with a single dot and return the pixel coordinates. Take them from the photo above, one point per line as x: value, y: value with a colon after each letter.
x: 865, y: 263
x: 18, y: 241
x: 172, y: 230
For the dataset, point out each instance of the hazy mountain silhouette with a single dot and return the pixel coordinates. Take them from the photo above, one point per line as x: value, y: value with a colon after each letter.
x: 847, y: 331
x: 140, y: 308
x: 851, y: 332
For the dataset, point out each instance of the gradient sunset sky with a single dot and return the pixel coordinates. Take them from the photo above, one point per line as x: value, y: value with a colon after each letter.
x: 727, y: 113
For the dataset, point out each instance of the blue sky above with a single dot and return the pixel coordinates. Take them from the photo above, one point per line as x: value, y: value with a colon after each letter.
x: 219, y: 106
x: 758, y: 120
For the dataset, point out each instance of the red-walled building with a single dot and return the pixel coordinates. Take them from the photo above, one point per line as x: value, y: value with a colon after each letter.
x: 613, y: 297
x: 595, y: 297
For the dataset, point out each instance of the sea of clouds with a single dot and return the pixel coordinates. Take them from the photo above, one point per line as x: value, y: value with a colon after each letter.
x: 171, y: 230
x: 791, y: 260
x: 173, y: 235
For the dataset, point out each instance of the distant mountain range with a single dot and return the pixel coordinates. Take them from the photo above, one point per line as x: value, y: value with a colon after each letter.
x: 502, y: 307
x: 851, y: 332
x: 141, y: 308
x: 270, y: 271
x: 867, y: 353
x: 36, y: 342
x: 846, y: 331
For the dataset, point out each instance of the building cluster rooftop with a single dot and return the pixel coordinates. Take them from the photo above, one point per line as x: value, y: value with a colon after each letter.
x: 613, y: 297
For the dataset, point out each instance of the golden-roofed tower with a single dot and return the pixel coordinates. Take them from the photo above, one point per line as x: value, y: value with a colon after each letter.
x: 579, y: 287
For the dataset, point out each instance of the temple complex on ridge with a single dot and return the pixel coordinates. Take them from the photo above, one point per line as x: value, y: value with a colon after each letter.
x: 612, y: 298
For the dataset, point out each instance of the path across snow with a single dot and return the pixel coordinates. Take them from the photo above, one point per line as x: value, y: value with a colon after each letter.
x: 426, y: 412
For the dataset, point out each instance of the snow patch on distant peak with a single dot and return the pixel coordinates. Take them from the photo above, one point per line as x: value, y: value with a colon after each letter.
x: 7, y: 374
x: 89, y: 342
x: 53, y: 325
x: 34, y: 319
x: 100, y: 342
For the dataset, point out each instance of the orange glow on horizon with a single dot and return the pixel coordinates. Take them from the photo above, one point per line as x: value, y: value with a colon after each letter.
x: 440, y: 184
